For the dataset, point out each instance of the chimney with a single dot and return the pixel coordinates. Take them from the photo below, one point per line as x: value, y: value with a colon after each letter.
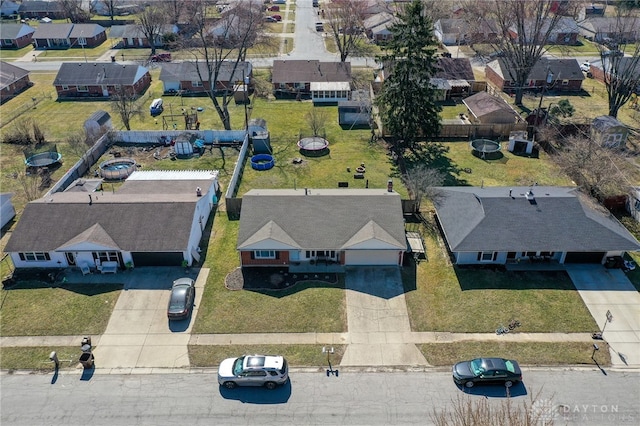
x: 90, y: 200
x: 390, y: 185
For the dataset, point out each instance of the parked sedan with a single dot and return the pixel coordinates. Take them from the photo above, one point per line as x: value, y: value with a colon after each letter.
x: 253, y: 370
x: 183, y: 293
x: 487, y: 370
x: 277, y: 17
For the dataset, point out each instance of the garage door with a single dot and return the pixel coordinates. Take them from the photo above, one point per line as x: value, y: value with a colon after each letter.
x: 584, y: 257
x: 371, y: 257
x: 157, y: 259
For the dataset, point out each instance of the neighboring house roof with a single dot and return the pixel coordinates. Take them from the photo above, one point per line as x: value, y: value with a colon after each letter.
x: 14, y: 31
x: 455, y: 69
x: 94, y: 73
x: 378, y: 19
x: 324, y: 219
x: 53, y: 31
x: 605, y: 122
x: 40, y: 6
x: 135, y: 31
x: 10, y: 73
x: 564, y: 25
x: 482, y: 103
x: 188, y: 71
x: 302, y: 71
x: 490, y: 219
x: 605, y: 25
x: 86, y: 30
x: 562, y: 69
x: 622, y: 64
x: 143, y: 215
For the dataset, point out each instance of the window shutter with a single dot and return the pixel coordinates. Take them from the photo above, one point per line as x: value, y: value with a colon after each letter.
x: 479, y: 255
x: 277, y: 255
x: 253, y: 255
x: 47, y: 256
x: 495, y: 255
x: 21, y: 256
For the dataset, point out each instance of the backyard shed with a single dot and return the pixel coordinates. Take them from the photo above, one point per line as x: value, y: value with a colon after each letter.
x: 98, y: 123
x: 519, y: 144
x: 609, y: 132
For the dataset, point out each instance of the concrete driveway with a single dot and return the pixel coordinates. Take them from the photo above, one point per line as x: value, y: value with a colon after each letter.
x: 378, y: 321
x: 138, y: 334
x: 605, y: 290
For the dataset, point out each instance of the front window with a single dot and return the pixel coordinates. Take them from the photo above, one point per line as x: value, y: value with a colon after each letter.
x: 487, y: 255
x: 34, y: 256
x: 265, y: 254
x: 106, y: 256
x: 82, y: 88
x: 82, y: 41
x: 196, y: 83
x: 565, y: 82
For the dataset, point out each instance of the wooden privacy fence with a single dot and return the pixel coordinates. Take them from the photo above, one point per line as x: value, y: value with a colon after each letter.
x: 472, y: 131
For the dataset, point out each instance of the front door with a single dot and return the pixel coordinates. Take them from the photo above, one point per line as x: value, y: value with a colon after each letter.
x: 71, y: 258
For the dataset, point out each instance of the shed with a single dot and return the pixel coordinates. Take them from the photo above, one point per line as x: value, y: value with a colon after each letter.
x: 609, y: 132
x: 486, y: 108
x: 633, y: 203
x: 98, y: 124
x: 355, y: 113
x: 519, y: 144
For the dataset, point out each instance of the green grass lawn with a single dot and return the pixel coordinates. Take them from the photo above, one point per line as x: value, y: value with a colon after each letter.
x: 583, y: 48
x: 453, y: 111
x: 69, y: 309
x: 37, y: 358
x: 304, y: 308
x: 296, y: 355
x: 10, y: 54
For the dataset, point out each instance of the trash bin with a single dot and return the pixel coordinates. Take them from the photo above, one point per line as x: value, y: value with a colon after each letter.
x: 86, y: 359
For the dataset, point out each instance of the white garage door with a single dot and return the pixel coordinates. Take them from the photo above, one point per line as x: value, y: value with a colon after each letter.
x: 372, y: 257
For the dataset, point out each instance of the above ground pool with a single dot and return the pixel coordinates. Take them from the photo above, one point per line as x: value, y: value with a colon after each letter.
x: 314, y: 146
x: 485, y: 148
x: 43, y: 159
x: 262, y: 162
x: 117, y: 169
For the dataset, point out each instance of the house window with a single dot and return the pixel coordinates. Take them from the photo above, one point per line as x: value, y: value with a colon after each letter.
x: 282, y: 85
x: 265, y: 254
x: 82, y: 41
x: 82, y: 88
x: 565, y: 82
x: 117, y: 87
x: 34, y: 256
x: 531, y: 253
x: 106, y: 256
x: 8, y: 41
x: 486, y: 256
x: 299, y: 85
x: 196, y: 83
x: 65, y: 87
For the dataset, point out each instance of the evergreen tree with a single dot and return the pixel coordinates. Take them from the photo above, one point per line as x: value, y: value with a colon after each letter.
x: 407, y: 101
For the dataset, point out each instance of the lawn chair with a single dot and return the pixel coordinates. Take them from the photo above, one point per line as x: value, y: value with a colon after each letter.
x: 84, y: 268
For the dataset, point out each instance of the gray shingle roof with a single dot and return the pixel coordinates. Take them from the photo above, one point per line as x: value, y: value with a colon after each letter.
x: 488, y: 219
x: 86, y: 30
x: 562, y: 69
x: 92, y: 73
x: 304, y: 71
x: 325, y: 219
x: 10, y: 73
x: 13, y: 31
x: 482, y: 103
x: 49, y: 31
x: 455, y: 69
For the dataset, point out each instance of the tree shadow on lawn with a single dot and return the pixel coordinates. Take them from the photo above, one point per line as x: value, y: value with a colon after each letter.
x: 41, y: 279
x: 434, y: 155
x: 279, y: 282
x: 496, y: 278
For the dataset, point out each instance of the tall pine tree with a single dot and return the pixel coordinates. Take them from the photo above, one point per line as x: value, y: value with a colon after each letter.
x: 407, y: 101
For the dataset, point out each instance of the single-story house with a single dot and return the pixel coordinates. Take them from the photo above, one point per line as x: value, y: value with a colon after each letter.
x: 131, y: 35
x: 301, y: 227
x: 591, y: 11
x: 604, y: 29
x: 120, y: 7
x: 460, y: 31
x: 65, y: 36
x: 599, y: 69
x: 7, y: 211
x: 15, y: 36
x: 377, y: 26
x: 488, y: 109
x: 42, y: 9
x: 500, y: 225
x: 458, y: 74
x: 13, y: 80
x: 9, y: 8
x: 183, y: 77
x: 609, y: 131
x: 355, y: 113
x: 100, y: 79
x: 156, y: 218
x: 565, y: 31
x: 322, y: 82
x: 559, y: 75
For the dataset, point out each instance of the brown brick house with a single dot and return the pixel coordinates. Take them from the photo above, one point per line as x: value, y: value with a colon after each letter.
x: 100, y: 80
x: 13, y: 80
x: 565, y: 75
x: 15, y: 36
x: 183, y: 77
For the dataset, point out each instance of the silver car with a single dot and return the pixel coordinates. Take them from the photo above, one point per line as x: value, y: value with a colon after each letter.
x: 253, y: 370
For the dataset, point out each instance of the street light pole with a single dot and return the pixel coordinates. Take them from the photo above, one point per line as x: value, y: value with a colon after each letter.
x: 82, y: 42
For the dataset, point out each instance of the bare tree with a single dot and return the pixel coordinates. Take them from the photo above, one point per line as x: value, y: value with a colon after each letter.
x: 524, y: 28
x: 317, y: 119
x: 29, y: 182
x: 126, y: 106
x: 73, y: 11
x: 345, y: 21
x: 222, y: 48
x: 151, y: 21
x: 110, y: 6
x: 420, y: 180
x: 19, y: 133
x: 620, y: 60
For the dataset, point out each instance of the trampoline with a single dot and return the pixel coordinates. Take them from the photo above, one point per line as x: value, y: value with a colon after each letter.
x: 262, y: 162
x: 313, y: 146
x: 485, y: 148
x: 117, y: 169
x: 43, y: 159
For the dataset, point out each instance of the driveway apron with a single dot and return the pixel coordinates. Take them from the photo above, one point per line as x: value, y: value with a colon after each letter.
x: 138, y: 334
x: 610, y: 290
x: 377, y: 318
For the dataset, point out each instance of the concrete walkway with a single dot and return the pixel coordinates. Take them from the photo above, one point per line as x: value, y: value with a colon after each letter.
x: 609, y: 290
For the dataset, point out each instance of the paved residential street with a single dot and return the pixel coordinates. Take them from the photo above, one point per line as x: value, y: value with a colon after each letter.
x: 584, y: 397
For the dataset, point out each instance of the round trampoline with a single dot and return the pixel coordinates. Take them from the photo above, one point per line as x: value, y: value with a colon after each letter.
x: 43, y: 159
x: 117, y: 169
x: 313, y: 146
x: 262, y: 162
x: 485, y: 148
